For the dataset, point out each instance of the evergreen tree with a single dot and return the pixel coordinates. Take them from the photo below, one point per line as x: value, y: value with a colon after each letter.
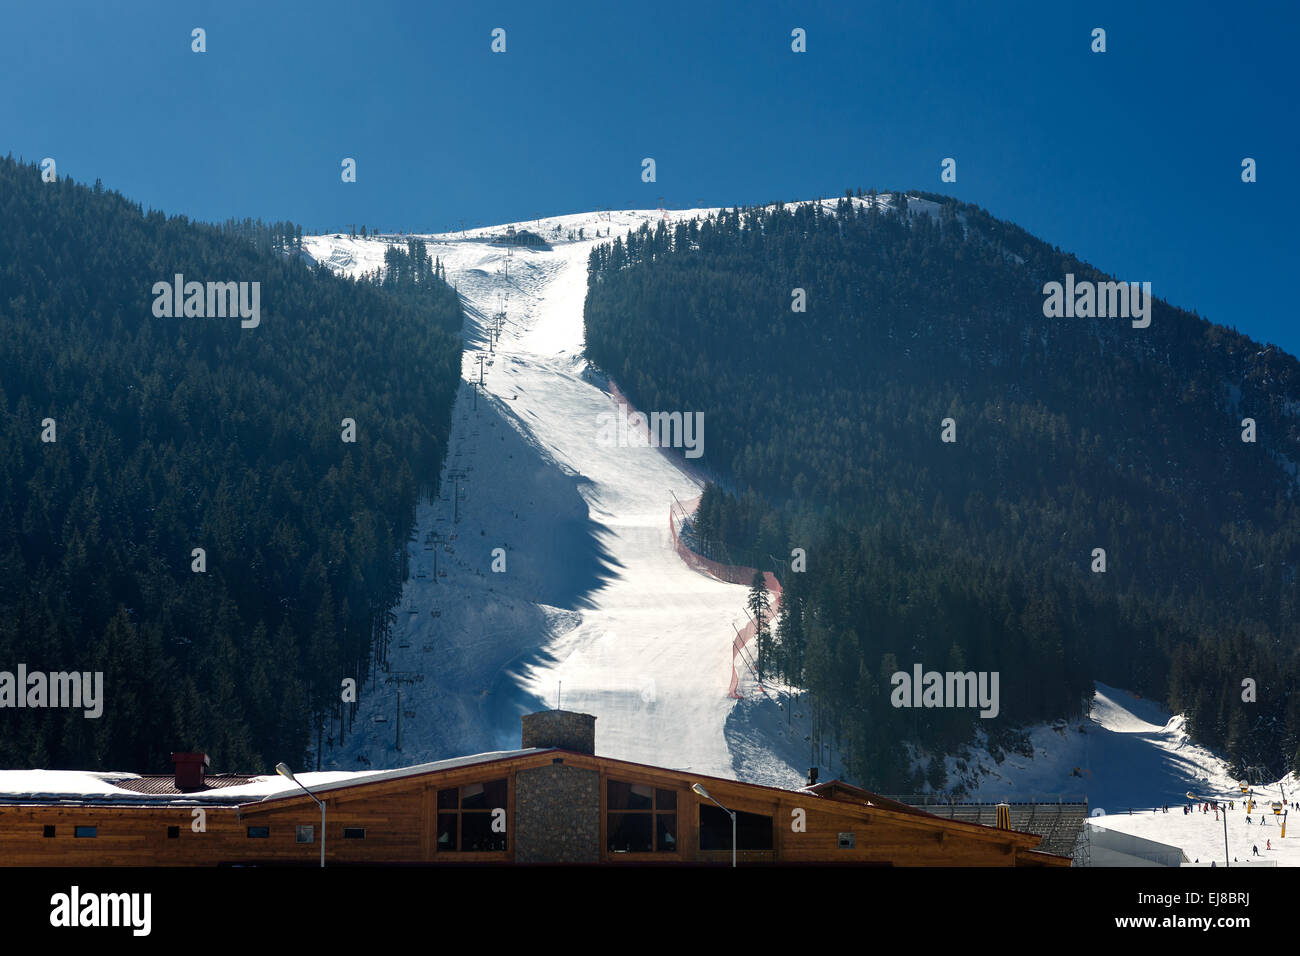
x: 183, y: 433
x: 759, y: 610
x: 978, y: 552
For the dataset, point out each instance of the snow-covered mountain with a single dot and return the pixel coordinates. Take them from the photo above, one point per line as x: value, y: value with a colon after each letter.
x: 596, y: 612
x: 594, y: 609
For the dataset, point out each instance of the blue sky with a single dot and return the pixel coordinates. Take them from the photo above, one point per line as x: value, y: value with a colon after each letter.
x: 1130, y: 159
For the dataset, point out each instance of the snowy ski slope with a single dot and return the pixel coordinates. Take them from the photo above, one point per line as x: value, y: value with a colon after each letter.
x: 594, y: 610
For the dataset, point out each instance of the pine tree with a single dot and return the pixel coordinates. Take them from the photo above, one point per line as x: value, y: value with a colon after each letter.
x: 759, y: 610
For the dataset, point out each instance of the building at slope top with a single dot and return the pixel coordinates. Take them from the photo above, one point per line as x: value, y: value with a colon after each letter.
x: 554, y: 801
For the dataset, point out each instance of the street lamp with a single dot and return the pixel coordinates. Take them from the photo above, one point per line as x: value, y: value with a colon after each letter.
x: 283, y: 770
x: 731, y: 813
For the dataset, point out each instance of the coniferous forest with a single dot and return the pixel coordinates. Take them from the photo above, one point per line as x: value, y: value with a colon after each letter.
x: 176, y: 434
x: 825, y: 433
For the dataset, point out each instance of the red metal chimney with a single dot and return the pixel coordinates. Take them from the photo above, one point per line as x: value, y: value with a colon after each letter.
x: 189, y: 770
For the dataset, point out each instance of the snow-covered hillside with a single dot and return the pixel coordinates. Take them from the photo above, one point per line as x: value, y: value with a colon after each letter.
x: 1131, y: 759
x: 594, y: 609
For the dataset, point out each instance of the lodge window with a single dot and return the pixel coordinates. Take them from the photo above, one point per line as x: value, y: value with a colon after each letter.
x: 49, y: 831
x: 640, y: 818
x: 305, y: 833
x: 259, y: 833
x: 86, y: 832
x: 466, y: 814
x: 173, y: 833
x: 753, y: 830
x: 354, y: 833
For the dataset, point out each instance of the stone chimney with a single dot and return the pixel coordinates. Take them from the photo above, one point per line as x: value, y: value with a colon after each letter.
x: 560, y: 728
x: 190, y: 768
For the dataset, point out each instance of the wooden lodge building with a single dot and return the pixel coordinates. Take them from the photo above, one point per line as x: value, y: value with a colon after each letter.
x: 552, y: 802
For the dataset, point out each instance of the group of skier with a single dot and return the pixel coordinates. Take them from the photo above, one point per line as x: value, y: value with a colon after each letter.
x: 1215, y: 806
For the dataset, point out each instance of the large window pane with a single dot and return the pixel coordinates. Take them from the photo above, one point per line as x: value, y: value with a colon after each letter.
x: 476, y: 833
x: 753, y: 830
x: 665, y: 799
x: 629, y: 833
x: 447, y: 799
x: 630, y: 796
x: 483, y: 796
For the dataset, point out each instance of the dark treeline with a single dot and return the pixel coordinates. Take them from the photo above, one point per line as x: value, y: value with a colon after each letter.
x: 278, y: 237
x: 176, y: 434
x: 411, y: 275
x: 1071, y: 434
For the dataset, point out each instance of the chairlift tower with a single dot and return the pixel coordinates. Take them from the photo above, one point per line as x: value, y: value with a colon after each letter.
x: 399, y: 678
x: 437, y: 540
x: 456, y: 475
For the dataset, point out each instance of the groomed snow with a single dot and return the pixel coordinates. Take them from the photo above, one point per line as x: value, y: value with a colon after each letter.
x: 595, y: 612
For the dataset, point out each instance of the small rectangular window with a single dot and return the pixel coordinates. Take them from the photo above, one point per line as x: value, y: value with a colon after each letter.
x: 666, y: 832
x: 259, y: 833
x: 86, y: 832
x: 49, y: 831
x: 173, y: 833
x: 305, y: 834
x: 354, y: 833
x: 846, y: 841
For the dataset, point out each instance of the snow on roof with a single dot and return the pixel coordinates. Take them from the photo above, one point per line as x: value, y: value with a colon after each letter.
x: 45, y: 786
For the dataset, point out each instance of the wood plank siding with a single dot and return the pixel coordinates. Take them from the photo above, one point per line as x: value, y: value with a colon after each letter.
x: 400, y: 821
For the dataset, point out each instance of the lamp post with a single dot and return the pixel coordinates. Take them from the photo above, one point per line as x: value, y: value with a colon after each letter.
x: 283, y: 770
x: 1226, y: 858
x: 731, y: 813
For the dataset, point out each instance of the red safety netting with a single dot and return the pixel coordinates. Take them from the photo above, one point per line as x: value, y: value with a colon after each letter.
x: 732, y: 574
